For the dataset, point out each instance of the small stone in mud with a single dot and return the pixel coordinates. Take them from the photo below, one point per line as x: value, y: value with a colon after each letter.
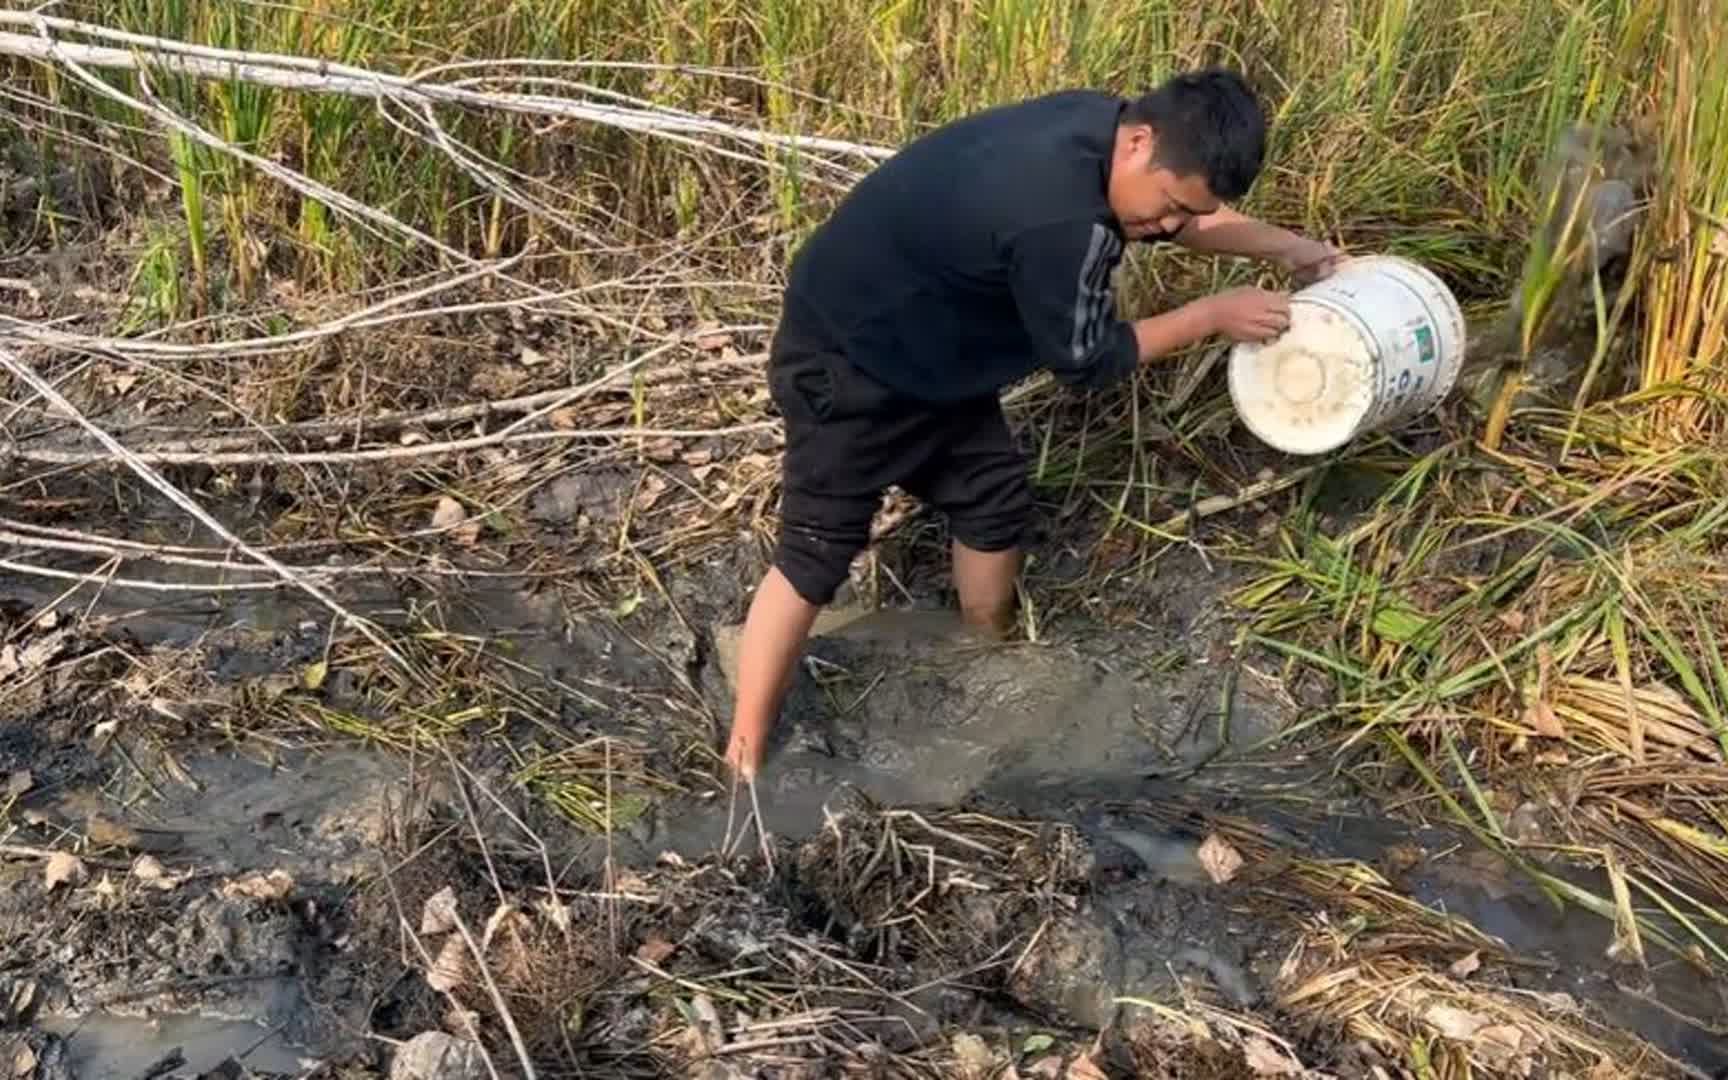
x: 34, y: 1055
x: 597, y: 494
x: 434, y: 1055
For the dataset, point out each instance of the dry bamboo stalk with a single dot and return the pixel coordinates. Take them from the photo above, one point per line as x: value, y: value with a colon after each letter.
x: 225, y: 458
x: 91, y: 577
x: 303, y: 73
x: 48, y: 393
x: 130, y: 550
x: 390, y: 420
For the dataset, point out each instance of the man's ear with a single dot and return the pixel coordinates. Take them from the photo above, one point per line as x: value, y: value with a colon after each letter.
x: 1141, y: 138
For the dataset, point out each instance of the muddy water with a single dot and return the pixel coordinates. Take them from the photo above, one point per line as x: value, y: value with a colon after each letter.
x: 904, y: 707
x: 900, y: 706
x: 105, y: 1047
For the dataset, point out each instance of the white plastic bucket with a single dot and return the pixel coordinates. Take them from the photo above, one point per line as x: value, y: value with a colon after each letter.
x: 1376, y: 344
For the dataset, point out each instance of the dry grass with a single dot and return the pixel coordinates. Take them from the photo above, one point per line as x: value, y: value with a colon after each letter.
x: 1528, y: 620
x: 686, y: 967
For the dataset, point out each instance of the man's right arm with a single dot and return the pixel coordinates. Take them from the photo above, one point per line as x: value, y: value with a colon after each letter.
x: 1163, y: 334
x: 1063, y: 290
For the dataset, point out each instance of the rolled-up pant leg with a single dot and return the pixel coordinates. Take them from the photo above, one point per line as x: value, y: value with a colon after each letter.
x: 979, y: 479
x: 848, y: 439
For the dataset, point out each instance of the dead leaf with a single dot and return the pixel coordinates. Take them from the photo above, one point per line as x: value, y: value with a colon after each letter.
x: 23, y: 1060
x: 1541, y: 718
x: 653, y: 486
x: 1502, y: 1043
x: 1513, y: 621
x: 64, y: 868
x: 450, y: 970
x: 1466, y: 966
x: 655, y: 949
x: 1454, y: 1023
x: 1085, y: 1067
x: 18, y: 783
x: 1046, y: 1068
x: 565, y: 419
x: 713, y: 340
x: 438, y: 914
x: 448, y: 513
x: 451, y: 517
x: 276, y: 885
x: 531, y: 357
x: 698, y: 458
x: 152, y: 873
x: 1539, y: 715
x: 661, y: 451
x: 36, y: 654
x: 1267, y: 1060
x: 1222, y: 862
x: 101, y: 733
x: 973, y: 1058
x: 633, y: 885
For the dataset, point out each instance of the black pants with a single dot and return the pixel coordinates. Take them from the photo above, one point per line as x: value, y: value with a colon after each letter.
x: 849, y: 438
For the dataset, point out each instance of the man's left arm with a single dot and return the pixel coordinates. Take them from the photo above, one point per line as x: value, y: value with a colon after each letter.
x: 1227, y: 232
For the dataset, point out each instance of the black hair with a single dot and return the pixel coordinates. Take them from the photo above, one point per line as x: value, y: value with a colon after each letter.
x: 1206, y: 122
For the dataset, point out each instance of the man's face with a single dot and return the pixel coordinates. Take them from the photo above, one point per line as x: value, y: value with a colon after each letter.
x: 1151, y: 202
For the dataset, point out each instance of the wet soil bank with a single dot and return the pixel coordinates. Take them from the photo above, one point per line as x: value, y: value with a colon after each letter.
x: 229, y: 840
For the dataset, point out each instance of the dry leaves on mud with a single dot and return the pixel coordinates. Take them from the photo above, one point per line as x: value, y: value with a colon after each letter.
x: 451, y: 518
x: 1221, y: 861
x: 438, y: 914
x: 276, y: 885
x: 64, y: 868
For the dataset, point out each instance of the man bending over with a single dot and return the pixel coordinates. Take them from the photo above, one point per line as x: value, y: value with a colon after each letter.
x: 980, y: 253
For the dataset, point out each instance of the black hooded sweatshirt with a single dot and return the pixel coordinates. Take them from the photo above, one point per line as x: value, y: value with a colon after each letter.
x: 977, y: 255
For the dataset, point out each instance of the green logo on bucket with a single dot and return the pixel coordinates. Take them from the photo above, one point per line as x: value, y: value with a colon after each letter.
x: 1425, y: 344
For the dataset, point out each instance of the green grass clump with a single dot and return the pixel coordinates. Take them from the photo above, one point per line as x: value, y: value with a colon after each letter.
x: 1398, y: 126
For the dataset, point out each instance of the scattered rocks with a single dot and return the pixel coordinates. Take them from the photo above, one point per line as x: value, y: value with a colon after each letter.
x: 598, y: 495
x: 32, y: 1054
x: 434, y: 1055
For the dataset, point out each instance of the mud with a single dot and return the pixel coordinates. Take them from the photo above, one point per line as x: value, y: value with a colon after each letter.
x: 1086, y: 728
x: 287, y: 855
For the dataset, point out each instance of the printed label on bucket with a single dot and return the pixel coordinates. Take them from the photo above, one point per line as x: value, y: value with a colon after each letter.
x: 1425, y: 344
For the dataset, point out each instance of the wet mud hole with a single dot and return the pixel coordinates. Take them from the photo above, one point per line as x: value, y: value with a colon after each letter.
x: 234, y: 843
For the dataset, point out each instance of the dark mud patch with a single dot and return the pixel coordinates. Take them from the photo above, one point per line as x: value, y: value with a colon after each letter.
x: 966, y: 838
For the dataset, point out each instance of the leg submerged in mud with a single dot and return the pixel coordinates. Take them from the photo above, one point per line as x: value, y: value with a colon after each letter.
x: 774, y: 633
x: 985, y: 582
